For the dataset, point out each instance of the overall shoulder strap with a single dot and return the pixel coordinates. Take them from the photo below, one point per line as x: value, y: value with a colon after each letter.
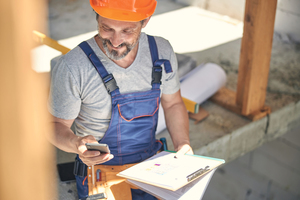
x: 153, y: 48
x: 157, y: 69
x: 108, y: 79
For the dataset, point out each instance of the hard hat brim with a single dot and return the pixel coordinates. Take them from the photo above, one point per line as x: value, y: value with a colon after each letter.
x: 125, y: 15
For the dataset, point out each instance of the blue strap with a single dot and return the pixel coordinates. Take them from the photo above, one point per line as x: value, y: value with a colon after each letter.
x: 167, y: 64
x: 94, y: 59
x: 153, y: 49
x: 154, y: 55
x: 108, y: 79
x: 157, y: 63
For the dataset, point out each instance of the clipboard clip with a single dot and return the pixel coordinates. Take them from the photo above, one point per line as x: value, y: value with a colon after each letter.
x: 197, y: 173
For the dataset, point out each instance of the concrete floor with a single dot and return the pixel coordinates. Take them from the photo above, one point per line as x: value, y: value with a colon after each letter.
x: 269, y: 172
x: 237, y: 179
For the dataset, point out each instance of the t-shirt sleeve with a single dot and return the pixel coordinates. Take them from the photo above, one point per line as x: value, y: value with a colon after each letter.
x: 171, y: 82
x: 64, y: 99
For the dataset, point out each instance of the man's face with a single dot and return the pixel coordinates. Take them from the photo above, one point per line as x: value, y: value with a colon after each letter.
x: 118, y: 37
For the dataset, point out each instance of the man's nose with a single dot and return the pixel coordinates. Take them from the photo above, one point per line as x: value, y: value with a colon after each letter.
x: 116, y: 39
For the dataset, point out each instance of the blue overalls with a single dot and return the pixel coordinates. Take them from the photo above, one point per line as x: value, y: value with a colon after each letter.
x: 131, y: 132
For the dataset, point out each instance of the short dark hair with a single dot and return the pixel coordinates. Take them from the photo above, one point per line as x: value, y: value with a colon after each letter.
x: 97, y: 16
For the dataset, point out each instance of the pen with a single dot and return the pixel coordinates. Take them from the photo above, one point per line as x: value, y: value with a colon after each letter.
x: 93, y: 175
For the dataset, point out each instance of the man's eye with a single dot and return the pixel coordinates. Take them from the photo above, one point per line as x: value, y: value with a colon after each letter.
x: 106, y: 29
x: 127, y: 31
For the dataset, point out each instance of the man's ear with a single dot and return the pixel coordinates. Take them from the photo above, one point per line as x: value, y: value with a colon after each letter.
x: 145, y: 22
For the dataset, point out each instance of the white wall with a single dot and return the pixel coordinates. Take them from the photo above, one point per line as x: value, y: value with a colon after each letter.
x: 287, y: 21
x: 232, y: 8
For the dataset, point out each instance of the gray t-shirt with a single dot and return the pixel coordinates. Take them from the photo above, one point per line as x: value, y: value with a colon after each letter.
x: 77, y: 91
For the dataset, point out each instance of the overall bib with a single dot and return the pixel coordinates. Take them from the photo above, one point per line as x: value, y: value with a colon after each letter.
x: 131, y: 132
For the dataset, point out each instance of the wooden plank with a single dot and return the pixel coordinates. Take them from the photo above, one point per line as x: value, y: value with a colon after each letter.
x: 43, y: 39
x: 226, y: 98
x: 255, y: 55
x: 198, y: 117
x: 262, y: 112
x: 26, y: 157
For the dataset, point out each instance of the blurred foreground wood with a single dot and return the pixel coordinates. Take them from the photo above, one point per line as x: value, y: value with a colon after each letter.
x: 26, y: 158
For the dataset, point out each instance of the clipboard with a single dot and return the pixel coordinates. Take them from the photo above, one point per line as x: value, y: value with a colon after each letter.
x: 193, y: 190
x: 164, y: 171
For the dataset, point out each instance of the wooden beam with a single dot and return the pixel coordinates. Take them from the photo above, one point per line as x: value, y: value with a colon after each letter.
x: 43, y: 39
x: 249, y: 100
x: 226, y: 98
x: 255, y: 55
x: 27, y: 160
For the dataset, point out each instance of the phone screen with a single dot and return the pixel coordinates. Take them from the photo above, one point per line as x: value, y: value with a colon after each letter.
x: 103, y: 148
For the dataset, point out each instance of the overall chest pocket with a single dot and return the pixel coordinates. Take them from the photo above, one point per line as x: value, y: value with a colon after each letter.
x: 139, y: 108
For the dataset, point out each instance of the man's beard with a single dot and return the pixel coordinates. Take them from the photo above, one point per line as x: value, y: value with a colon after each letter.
x: 113, y: 54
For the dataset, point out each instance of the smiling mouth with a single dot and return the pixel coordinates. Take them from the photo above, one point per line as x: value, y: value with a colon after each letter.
x: 116, y: 53
x: 116, y: 48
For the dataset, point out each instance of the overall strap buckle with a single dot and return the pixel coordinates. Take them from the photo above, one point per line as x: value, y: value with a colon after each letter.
x: 80, y: 169
x: 156, y: 74
x: 108, y: 79
x: 110, y: 83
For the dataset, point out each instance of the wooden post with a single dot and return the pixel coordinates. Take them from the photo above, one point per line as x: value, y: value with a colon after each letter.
x: 27, y: 160
x: 255, y: 55
x: 249, y: 100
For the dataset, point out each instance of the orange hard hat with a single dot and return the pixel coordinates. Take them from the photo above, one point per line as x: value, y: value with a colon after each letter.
x: 124, y: 10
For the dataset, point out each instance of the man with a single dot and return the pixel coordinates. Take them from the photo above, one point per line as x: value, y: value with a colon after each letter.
x: 111, y: 86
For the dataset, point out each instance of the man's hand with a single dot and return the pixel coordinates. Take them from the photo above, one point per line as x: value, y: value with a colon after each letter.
x: 64, y: 139
x: 183, y: 150
x: 90, y: 157
x: 177, y: 122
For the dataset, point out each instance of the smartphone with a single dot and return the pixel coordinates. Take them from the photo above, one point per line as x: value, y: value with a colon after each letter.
x: 103, y: 148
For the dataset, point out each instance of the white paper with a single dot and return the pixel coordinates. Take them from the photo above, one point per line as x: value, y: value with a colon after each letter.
x: 198, y: 85
x: 165, y: 171
x: 192, y: 191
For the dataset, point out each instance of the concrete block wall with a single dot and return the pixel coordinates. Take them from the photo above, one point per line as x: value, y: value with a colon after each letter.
x: 237, y: 143
x: 287, y: 22
x: 253, y: 135
x: 283, y: 120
